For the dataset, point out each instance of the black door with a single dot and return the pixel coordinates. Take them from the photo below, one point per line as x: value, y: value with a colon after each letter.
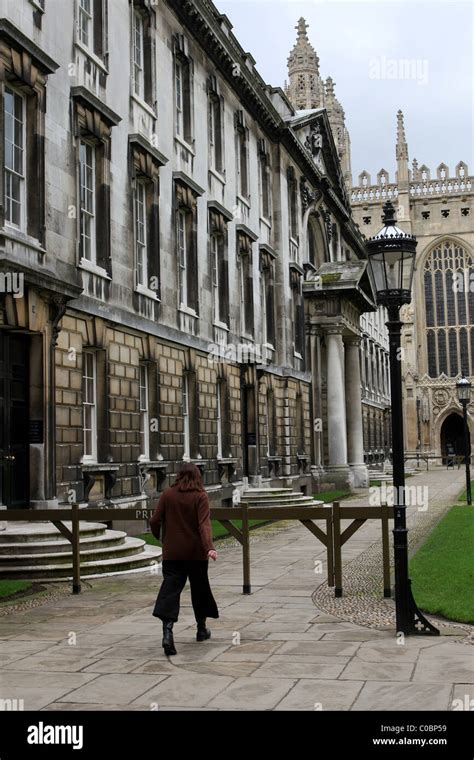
x: 14, y: 420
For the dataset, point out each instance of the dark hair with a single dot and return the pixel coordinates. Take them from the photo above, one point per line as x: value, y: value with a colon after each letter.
x: 188, y: 478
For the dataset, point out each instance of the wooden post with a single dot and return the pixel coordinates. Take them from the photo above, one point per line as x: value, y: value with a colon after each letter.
x: 246, y: 549
x: 76, y: 558
x: 336, y: 526
x: 385, y: 550
x: 330, y: 548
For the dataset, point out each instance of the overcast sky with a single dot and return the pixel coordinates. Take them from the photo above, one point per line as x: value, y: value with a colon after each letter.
x: 365, y: 46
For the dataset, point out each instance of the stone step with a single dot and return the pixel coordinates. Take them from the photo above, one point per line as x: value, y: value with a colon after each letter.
x: 127, y: 547
x: 305, y: 502
x: 33, y: 532
x: 247, y: 496
x: 269, y: 490
x: 148, y: 557
x: 107, y: 539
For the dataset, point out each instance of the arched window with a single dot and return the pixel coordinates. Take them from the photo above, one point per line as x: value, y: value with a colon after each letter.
x: 315, y: 246
x: 449, y: 309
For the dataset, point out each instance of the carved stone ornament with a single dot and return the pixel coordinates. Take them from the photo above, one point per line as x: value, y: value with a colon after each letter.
x: 407, y: 312
x: 314, y: 140
x: 440, y: 397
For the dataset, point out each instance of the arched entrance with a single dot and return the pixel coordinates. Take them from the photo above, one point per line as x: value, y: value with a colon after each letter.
x: 452, y: 435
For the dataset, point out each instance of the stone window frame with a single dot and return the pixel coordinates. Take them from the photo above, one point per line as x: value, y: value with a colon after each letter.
x: 246, y: 289
x: 190, y: 391
x: 90, y: 458
x: 97, y: 47
x: 93, y: 123
x: 144, y: 411
x: 292, y: 192
x: 10, y: 199
x: 25, y: 68
x: 271, y: 420
x: 267, y: 280
x: 183, y: 62
x: 145, y: 9
x: 223, y: 390
x: 185, y: 203
x: 300, y: 421
x: 39, y: 8
x: 242, y: 157
x: 296, y: 283
x: 145, y: 164
x: 218, y: 219
x: 215, y: 104
x: 265, y: 181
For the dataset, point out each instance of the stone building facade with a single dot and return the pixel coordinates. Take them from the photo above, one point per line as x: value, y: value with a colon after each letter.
x: 182, y: 279
x: 438, y: 336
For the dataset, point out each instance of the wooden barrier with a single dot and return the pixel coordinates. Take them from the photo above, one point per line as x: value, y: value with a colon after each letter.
x: 333, y: 539
x: 305, y: 515
x: 359, y: 515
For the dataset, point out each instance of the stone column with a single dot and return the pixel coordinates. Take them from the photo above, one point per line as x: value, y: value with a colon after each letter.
x: 338, y: 470
x: 355, y: 433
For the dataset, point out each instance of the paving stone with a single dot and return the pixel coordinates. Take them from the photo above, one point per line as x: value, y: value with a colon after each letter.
x: 253, y: 693
x: 114, y: 665
x: 62, y: 663
x: 377, y: 671
x: 113, y: 688
x: 403, y: 696
x: 255, y: 651
x: 308, y: 649
x: 462, y: 697
x: 392, y: 652
x: 448, y: 668
x: 301, y: 669
x: 314, y: 694
x: 184, y: 689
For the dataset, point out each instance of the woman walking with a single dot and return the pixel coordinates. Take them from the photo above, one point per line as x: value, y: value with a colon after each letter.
x: 184, y: 517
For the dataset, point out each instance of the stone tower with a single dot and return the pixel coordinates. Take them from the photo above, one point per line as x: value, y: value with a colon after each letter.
x: 306, y: 90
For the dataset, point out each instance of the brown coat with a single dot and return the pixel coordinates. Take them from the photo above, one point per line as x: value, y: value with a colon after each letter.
x: 184, y: 517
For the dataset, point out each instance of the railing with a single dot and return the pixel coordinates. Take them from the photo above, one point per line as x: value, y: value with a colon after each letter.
x: 374, y: 193
x: 441, y: 186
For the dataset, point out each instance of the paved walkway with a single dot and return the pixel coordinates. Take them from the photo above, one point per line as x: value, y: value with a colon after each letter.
x: 272, y: 650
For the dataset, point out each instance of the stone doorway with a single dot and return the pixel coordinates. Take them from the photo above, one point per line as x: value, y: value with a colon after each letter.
x: 14, y: 419
x: 452, y: 435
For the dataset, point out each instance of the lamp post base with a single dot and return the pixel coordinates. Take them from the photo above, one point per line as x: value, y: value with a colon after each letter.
x: 418, y: 625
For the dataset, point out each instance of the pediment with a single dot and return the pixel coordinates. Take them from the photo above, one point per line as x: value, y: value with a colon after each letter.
x: 313, y: 130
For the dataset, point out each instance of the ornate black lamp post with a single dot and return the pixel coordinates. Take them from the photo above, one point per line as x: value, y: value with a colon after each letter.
x: 463, y: 388
x: 391, y: 255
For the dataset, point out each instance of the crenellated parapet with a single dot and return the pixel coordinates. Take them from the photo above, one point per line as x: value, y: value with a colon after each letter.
x: 422, y: 183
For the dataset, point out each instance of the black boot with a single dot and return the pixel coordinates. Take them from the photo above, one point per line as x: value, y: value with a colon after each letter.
x: 168, y: 642
x: 203, y: 633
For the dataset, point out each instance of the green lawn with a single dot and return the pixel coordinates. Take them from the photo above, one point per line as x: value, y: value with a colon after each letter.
x: 328, y: 496
x: 463, y: 495
x: 442, y: 570
x: 7, y: 588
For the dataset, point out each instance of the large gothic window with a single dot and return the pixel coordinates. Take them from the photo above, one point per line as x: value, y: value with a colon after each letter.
x: 449, y: 307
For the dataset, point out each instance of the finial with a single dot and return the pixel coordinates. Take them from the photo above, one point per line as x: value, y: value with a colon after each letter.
x: 302, y: 27
x: 330, y: 86
x: 401, y: 147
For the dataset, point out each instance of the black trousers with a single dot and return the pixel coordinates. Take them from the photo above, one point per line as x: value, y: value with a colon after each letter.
x: 175, y: 575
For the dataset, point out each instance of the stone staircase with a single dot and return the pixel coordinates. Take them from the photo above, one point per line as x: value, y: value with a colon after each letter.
x: 39, y: 551
x: 277, y: 497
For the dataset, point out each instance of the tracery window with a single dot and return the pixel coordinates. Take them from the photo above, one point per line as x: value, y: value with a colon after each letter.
x: 449, y: 309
